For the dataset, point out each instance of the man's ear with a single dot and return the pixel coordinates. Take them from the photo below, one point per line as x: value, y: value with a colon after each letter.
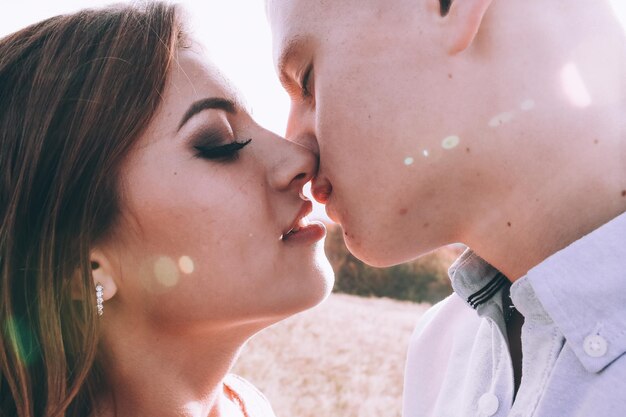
x: 103, y: 274
x: 462, y: 23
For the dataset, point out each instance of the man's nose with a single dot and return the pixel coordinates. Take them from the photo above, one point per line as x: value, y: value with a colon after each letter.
x: 301, y: 127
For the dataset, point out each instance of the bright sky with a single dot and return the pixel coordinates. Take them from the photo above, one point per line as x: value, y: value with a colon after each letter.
x: 237, y: 38
x: 235, y: 33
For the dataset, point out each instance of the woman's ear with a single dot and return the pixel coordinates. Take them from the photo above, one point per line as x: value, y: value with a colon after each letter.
x: 103, y: 274
x: 462, y: 23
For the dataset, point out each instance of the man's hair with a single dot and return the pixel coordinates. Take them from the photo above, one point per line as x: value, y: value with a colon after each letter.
x: 76, y: 91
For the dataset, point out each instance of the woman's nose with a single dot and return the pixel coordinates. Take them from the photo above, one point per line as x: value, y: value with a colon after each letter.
x: 293, y: 165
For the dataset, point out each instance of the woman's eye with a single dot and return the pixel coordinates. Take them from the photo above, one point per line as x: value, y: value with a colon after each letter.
x: 223, y: 153
x: 306, y: 81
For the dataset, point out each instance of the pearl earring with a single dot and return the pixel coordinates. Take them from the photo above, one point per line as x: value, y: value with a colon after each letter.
x: 99, y: 299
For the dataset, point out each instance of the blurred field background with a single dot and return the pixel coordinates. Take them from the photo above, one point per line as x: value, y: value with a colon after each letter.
x: 346, y: 357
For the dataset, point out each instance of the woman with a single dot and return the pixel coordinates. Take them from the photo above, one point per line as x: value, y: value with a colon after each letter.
x: 149, y: 225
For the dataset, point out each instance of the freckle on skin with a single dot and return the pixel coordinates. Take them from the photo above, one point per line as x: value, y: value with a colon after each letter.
x: 596, y: 141
x: 175, y: 173
x: 623, y: 193
x: 467, y: 150
x: 450, y: 76
x: 403, y: 211
x: 425, y: 225
x: 508, y: 224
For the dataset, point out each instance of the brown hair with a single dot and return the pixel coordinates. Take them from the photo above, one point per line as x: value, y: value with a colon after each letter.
x: 75, y: 93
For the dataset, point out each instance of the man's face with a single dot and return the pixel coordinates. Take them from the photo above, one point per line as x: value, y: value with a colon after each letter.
x: 373, y: 90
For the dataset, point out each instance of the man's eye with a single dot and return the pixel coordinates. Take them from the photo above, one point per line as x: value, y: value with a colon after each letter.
x: 223, y: 153
x: 305, y: 82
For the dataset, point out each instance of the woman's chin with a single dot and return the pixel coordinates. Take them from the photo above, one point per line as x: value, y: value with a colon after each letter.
x: 322, y: 291
x: 310, y: 292
x: 325, y: 282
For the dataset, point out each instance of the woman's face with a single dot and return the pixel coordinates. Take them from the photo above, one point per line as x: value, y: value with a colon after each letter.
x: 207, y: 200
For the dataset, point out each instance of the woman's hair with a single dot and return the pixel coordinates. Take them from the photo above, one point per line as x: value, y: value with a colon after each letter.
x: 76, y: 91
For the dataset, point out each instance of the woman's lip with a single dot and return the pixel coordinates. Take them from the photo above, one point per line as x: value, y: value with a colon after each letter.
x: 308, y: 234
x: 305, y: 210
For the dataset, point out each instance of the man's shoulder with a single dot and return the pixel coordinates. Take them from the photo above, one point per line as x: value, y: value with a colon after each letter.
x: 444, y: 335
x: 441, y: 346
x: 448, y: 320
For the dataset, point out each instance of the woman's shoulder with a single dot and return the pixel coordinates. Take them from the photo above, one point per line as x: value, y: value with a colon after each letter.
x: 254, y: 402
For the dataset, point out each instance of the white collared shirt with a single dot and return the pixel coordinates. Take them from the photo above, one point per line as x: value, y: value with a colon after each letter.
x: 573, y: 338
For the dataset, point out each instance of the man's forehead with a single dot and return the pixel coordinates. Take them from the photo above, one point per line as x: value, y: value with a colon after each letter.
x: 295, y: 23
x: 289, y: 12
x: 292, y: 21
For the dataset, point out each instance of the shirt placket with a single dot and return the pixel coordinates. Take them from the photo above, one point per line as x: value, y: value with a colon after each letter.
x: 542, y: 343
x: 495, y: 396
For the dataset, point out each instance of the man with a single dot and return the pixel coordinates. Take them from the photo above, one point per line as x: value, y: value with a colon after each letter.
x: 499, y: 124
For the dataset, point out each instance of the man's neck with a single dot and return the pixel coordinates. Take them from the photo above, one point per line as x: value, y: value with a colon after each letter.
x: 573, y: 194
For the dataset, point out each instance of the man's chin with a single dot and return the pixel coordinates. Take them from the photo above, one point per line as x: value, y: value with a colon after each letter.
x: 375, y: 251
x: 374, y: 254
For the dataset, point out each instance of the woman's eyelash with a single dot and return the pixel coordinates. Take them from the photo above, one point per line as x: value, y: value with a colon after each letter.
x: 225, y: 153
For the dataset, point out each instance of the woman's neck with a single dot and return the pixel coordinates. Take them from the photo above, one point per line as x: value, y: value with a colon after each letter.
x: 155, y: 373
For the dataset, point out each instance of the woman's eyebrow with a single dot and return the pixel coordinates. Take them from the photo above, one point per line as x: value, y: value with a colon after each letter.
x: 217, y: 103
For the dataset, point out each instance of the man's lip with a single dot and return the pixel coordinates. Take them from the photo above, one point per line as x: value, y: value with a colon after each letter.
x: 321, y: 192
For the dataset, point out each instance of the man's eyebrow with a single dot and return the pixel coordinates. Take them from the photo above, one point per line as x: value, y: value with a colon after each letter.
x: 217, y: 103
x: 292, y: 48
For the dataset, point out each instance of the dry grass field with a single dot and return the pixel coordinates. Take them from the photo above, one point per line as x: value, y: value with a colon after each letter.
x: 343, y: 358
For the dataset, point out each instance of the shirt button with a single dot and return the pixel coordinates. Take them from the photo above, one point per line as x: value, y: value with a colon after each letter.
x: 595, y: 345
x: 488, y: 404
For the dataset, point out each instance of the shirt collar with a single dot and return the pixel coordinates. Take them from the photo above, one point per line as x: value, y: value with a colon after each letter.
x: 477, y: 282
x: 583, y: 290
